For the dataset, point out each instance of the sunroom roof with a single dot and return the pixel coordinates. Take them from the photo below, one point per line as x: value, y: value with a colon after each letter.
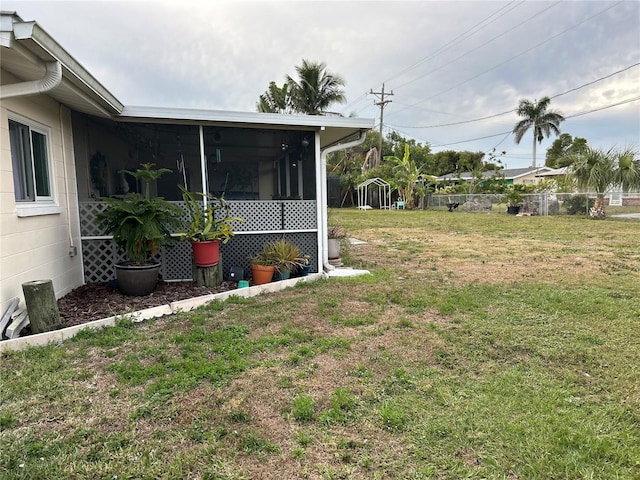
x: 333, y: 129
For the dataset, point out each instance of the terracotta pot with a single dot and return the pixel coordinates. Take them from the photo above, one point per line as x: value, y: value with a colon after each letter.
x: 206, y: 254
x: 262, y: 274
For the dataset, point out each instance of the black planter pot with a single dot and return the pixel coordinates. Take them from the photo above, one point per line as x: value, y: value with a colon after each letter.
x: 282, y: 274
x: 137, y: 280
x: 304, y: 271
x: 513, y: 209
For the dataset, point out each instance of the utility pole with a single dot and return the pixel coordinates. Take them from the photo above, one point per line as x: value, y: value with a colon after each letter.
x: 381, y: 104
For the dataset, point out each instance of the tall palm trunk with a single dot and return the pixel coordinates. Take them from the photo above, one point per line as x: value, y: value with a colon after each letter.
x: 533, y: 165
x: 597, y: 211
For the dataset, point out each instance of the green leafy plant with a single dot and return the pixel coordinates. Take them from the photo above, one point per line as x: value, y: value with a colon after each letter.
x: 141, y: 225
x: 261, y: 258
x: 513, y: 195
x: 282, y: 254
x: 203, y: 225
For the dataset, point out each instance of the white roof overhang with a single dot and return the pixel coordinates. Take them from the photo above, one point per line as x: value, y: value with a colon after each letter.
x: 333, y: 130
x: 26, y: 49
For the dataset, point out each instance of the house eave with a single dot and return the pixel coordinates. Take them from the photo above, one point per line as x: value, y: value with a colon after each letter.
x: 333, y: 130
x: 78, y: 89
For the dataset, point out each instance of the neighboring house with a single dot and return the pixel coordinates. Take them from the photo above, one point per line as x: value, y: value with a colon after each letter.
x: 615, y: 197
x: 511, y: 176
x: 64, y: 139
x: 552, y: 173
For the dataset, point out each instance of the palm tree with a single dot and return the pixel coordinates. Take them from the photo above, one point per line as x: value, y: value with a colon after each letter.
x: 316, y: 88
x: 536, y: 116
x: 599, y: 171
x: 275, y: 99
x: 407, y: 178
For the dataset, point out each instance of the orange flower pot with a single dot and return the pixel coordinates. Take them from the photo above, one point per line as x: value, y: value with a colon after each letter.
x: 206, y: 254
x: 262, y: 274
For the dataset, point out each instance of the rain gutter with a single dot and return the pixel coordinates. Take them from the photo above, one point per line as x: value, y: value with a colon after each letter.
x: 51, y: 80
x: 324, y: 204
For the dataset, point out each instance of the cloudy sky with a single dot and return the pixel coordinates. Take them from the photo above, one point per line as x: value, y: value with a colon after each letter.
x: 449, y: 64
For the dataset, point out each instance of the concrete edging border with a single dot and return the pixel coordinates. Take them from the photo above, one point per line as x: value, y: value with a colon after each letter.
x: 59, y: 336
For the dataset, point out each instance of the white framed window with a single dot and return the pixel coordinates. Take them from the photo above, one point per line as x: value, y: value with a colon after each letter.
x: 31, y: 161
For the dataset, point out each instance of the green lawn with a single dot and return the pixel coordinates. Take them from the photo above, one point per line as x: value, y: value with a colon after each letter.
x: 481, y: 346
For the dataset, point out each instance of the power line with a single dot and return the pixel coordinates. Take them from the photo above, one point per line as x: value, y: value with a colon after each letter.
x: 514, y: 57
x: 463, y: 36
x: 596, y: 81
x: 623, y: 102
x: 513, y: 110
x: 478, y: 47
x: 445, y: 47
x: 628, y: 100
x: 472, y: 139
x: 458, y: 123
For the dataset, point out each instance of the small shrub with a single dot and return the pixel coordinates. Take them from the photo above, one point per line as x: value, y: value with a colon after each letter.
x: 577, y: 204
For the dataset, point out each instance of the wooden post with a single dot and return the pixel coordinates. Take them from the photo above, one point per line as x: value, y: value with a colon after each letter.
x: 42, y: 306
x: 208, y: 276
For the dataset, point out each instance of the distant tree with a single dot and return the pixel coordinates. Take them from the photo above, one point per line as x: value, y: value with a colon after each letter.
x: 563, y: 149
x: 598, y: 171
x: 538, y: 118
x: 494, y: 162
x: 315, y: 89
x: 312, y: 93
x: 350, y: 164
x: 450, y: 161
x: 275, y: 99
x: 420, y: 154
x: 354, y: 159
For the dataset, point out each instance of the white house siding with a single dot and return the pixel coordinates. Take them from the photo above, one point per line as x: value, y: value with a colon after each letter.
x: 528, y: 179
x: 37, y: 247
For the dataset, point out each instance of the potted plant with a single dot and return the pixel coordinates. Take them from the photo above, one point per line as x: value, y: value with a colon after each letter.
x: 262, y: 268
x: 206, y: 227
x: 140, y: 226
x: 286, y: 257
x: 305, y: 266
x: 513, y: 196
x: 335, y: 235
x: 276, y: 261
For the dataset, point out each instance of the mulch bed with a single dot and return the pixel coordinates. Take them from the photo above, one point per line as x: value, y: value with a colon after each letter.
x: 95, y: 301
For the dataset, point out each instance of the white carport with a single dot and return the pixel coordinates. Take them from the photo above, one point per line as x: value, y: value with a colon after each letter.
x: 367, y: 188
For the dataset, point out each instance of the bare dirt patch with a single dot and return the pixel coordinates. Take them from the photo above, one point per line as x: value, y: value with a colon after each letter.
x: 95, y: 301
x: 470, y: 258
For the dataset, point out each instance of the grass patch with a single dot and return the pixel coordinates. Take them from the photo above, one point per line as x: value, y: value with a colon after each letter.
x: 481, y: 346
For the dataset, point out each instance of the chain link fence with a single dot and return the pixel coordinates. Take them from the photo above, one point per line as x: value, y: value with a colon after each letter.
x: 532, y: 204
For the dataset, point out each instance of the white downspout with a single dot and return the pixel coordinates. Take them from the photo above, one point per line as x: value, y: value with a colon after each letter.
x: 324, y: 196
x: 203, y: 167
x: 72, y: 248
x: 51, y: 80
